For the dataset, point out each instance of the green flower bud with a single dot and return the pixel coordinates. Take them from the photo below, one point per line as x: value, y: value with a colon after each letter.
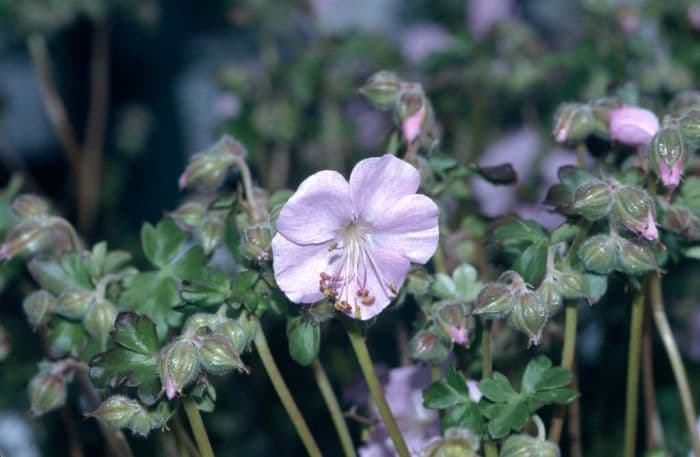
x: 455, y: 443
x: 418, y: 281
x: 199, y: 320
x: 633, y: 208
x: 240, y: 331
x: 681, y: 220
x: 189, y: 216
x: 635, y: 258
x: 29, y: 205
x: 141, y: 423
x: 256, y: 242
x: 529, y: 316
x: 667, y: 155
x: 178, y: 366
x: 27, y: 237
x: 601, y: 109
x: 593, y: 200
x: 209, y: 236
x: 117, y: 411
x: 570, y: 284
x: 573, y: 122
x: 206, y: 171
x: 409, y: 102
x: 453, y: 321
x: 38, y: 307
x: 73, y: 303
x: 425, y: 346
x: 495, y: 301
x: 599, y: 254
x: 690, y: 128
x: 99, y: 321
x: 523, y: 445
x: 47, y: 392
x: 218, y: 355
x: 549, y: 294
x: 381, y: 89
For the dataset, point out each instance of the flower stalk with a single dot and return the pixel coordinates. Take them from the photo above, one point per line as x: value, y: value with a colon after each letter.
x: 333, y: 406
x: 283, y: 392
x: 200, y: 433
x: 490, y: 449
x: 633, y: 362
x: 362, y: 353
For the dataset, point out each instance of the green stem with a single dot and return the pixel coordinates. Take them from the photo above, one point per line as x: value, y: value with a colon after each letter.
x: 631, y: 407
x: 567, y: 361
x: 198, y: 430
x: 674, y: 356
x: 439, y: 260
x: 362, y: 353
x: 186, y: 447
x: 490, y: 448
x: 329, y: 397
x: 283, y: 392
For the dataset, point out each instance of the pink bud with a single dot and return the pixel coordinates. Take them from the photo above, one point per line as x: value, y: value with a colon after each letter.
x: 459, y: 335
x: 170, y: 388
x: 649, y: 231
x: 670, y: 177
x: 182, y: 181
x: 412, y: 125
x: 633, y: 125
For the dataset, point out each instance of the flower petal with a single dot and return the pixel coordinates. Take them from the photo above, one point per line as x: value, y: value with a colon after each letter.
x: 317, y: 210
x: 298, y: 267
x: 378, y: 183
x: 409, y: 228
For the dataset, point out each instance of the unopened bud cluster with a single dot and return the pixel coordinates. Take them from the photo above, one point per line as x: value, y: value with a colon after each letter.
x: 604, y: 253
x: 449, y: 324
x: 47, y: 389
x: 575, y: 122
x: 120, y: 412
x: 523, y: 445
x: 207, y: 170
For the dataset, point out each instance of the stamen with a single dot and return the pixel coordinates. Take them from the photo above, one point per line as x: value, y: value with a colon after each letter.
x: 332, y: 246
x: 343, y: 306
x: 368, y: 300
x: 362, y: 292
x: 358, y: 313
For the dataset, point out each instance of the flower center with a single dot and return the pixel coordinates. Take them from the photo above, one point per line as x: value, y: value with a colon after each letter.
x: 352, y: 262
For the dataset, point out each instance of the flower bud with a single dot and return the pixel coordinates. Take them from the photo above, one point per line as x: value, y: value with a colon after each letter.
x: 411, y: 112
x: 593, y: 200
x: 690, y: 128
x: 529, y: 316
x: 240, y: 331
x: 29, y: 205
x: 418, y: 281
x: 206, y: 171
x: 633, y: 208
x: 632, y: 125
x: 178, y: 366
x: 549, y: 294
x: 456, y: 442
x: 199, y: 320
x: 570, y: 284
x: 453, y: 320
x: 141, y: 423
x: 425, y: 346
x: 523, y: 445
x: 667, y: 155
x: 256, y: 242
x: 218, y: 355
x: 27, y: 237
x: 73, y: 303
x: 681, y: 220
x: 381, y: 89
x: 38, y: 307
x: 210, y: 234
x: 189, y: 215
x: 117, y: 411
x: 495, y: 301
x: 599, y: 254
x: 635, y: 258
x: 573, y: 123
x: 99, y: 321
x: 47, y: 392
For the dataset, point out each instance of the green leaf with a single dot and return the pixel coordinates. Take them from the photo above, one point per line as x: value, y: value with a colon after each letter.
x: 532, y: 263
x: 518, y: 232
x: 497, y: 388
x: 72, y: 271
x: 304, y: 340
x: 465, y: 415
x: 244, y: 281
x: 456, y: 381
x: 155, y: 295
x: 213, y: 290
x: 462, y: 286
x: 440, y: 395
x: 65, y: 337
x: 443, y: 287
x: 136, y: 332
x: 441, y: 163
x: 232, y: 237
x: 162, y: 242
x: 692, y: 252
x: 534, y: 372
x: 506, y: 417
x: 564, y: 233
x: 553, y: 378
x: 560, y: 396
x: 188, y: 266
x: 690, y: 191
x: 595, y: 286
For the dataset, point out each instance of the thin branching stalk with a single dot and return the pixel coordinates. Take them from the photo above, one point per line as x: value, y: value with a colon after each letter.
x: 654, y: 430
x: 186, y: 448
x: 285, y: 396
x: 362, y: 353
x: 490, y: 448
x: 198, y: 430
x: 567, y: 361
x: 631, y: 405
x: 329, y: 397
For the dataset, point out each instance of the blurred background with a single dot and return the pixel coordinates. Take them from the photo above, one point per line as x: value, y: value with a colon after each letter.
x: 140, y: 85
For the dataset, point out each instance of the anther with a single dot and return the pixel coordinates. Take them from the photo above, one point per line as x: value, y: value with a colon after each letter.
x: 369, y: 300
x: 343, y: 306
x: 332, y: 246
x: 393, y: 289
x: 362, y: 292
x: 358, y: 313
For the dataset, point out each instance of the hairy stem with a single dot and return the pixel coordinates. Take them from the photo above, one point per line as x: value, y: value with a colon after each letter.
x: 631, y: 407
x: 333, y: 406
x: 490, y: 448
x: 654, y: 431
x: 186, y: 447
x: 285, y: 396
x: 198, y: 430
x: 362, y: 353
x: 567, y: 361
x: 674, y: 357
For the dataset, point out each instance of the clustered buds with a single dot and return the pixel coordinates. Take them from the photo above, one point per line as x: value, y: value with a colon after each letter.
x: 593, y: 199
x: 207, y: 170
x: 47, y: 389
x: 96, y: 313
x: 604, y: 253
x: 256, y: 243
x: 634, y: 209
x: 455, y: 442
x: 120, y: 412
x: 575, y: 122
x: 523, y: 445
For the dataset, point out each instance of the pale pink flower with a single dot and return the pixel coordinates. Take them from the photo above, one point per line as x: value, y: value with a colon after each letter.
x: 670, y: 176
x: 633, y: 125
x: 458, y: 334
x: 413, y: 124
x: 354, y: 241
x: 649, y: 231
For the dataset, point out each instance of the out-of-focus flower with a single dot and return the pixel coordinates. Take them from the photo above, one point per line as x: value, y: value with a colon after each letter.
x: 633, y: 125
x: 693, y: 14
x: 483, y: 15
x: 419, y: 41
x: 628, y: 19
x: 227, y: 106
x: 354, y: 241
